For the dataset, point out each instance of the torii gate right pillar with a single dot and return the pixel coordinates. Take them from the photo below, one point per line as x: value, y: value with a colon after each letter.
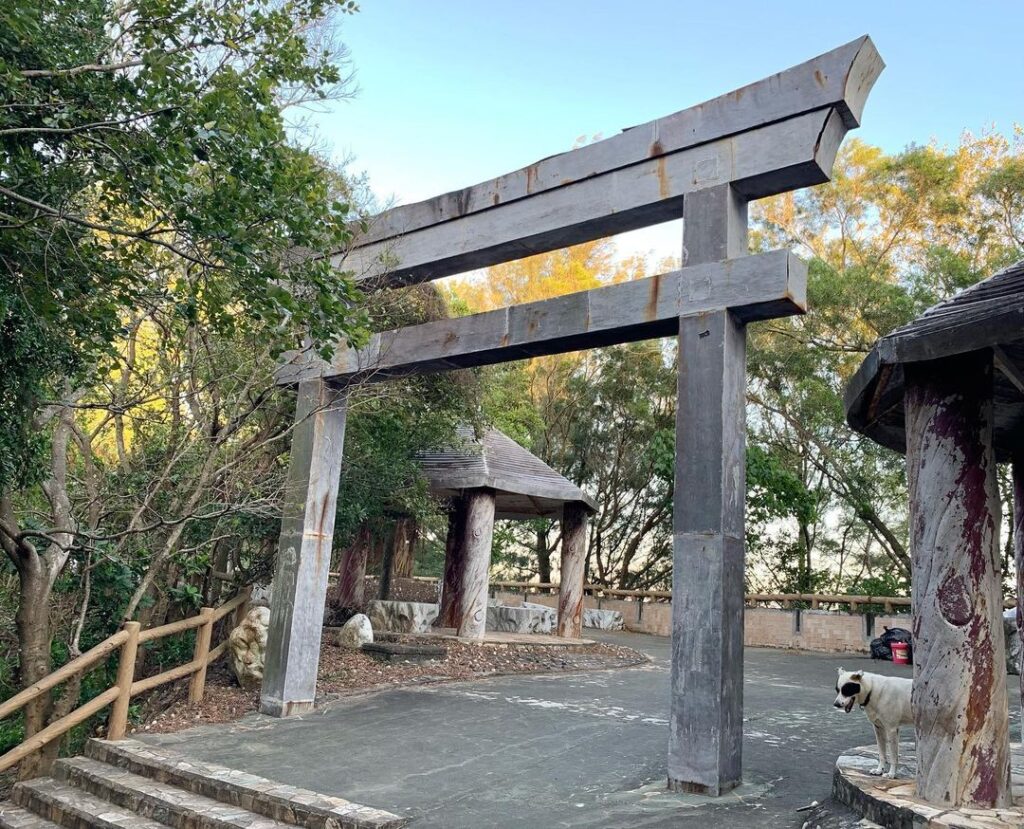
x: 706, y: 711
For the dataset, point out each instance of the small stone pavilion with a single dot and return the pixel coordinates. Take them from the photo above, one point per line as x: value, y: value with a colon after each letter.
x: 492, y: 478
x: 947, y: 390
x: 483, y: 480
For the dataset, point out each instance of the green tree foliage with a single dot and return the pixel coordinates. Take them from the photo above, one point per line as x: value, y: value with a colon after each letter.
x: 145, y: 158
x: 156, y: 220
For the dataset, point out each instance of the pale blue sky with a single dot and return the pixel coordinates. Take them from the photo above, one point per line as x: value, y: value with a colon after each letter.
x: 453, y: 92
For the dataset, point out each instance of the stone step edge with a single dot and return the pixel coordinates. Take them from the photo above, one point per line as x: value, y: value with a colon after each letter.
x: 163, y: 802
x: 74, y: 808
x: 15, y: 817
x: 288, y: 804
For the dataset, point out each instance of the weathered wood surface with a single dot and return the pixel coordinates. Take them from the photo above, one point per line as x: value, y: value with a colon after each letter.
x: 450, y: 610
x: 959, y: 695
x: 706, y: 706
x: 573, y: 567
x: 475, y: 564
x: 304, y: 553
x: 1018, y: 551
x: 777, y: 158
x: 350, y: 591
x: 838, y: 81
x: 754, y: 287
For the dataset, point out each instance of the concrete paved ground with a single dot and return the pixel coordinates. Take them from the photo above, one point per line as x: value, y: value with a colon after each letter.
x: 579, y: 750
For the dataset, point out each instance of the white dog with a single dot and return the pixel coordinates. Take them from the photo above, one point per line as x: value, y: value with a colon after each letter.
x: 886, y: 703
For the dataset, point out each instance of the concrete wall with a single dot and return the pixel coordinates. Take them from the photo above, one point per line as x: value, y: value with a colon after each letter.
x: 764, y: 627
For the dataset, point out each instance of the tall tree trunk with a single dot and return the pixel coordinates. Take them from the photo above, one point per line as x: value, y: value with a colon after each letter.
x: 1017, y: 529
x: 34, y: 637
x: 404, y: 559
x: 543, y: 552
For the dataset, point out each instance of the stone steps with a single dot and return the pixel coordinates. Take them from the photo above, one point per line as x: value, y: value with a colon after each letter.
x: 73, y: 808
x: 14, y: 817
x: 130, y: 785
x: 289, y: 804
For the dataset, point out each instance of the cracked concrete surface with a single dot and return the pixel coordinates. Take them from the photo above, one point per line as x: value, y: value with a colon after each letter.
x: 558, y: 750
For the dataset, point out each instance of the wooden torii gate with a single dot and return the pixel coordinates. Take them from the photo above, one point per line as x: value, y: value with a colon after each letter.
x: 703, y: 164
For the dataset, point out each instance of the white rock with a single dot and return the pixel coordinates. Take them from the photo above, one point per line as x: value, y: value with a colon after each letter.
x: 247, y: 646
x: 355, y: 633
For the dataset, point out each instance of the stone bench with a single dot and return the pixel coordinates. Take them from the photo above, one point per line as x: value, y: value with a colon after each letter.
x: 602, y: 619
x: 530, y: 618
x: 417, y: 654
x: 402, y: 617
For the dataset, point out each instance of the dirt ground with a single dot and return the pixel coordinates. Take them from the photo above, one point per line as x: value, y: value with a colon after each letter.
x: 345, y: 672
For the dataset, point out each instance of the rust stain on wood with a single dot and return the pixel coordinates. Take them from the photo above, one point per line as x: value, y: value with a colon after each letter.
x: 663, y: 184
x: 656, y: 150
x: 531, y: 178
x: 819, y: 78
x: 651, y: 309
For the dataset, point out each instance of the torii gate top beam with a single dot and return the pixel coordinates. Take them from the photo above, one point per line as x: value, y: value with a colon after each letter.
x: 777, y: 134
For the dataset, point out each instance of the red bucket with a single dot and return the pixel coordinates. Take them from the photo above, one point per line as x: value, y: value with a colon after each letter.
x: 900, y: 653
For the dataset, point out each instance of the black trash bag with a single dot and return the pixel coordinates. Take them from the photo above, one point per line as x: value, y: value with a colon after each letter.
x: 881, y: 648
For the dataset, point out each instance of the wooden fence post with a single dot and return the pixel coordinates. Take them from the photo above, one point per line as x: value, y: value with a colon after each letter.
x: 202, y: 651
x: 241, y: 611
x: 125, y: 675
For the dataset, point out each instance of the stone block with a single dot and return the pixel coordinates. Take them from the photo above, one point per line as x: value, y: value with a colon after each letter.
x: 402, y: 617
x: 602, y: 619
x: 530, y: 618
x: 417, y: 654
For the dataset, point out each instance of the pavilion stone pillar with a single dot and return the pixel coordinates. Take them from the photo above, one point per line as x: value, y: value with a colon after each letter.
x: 1018, y: 551
x: 304, y: 551
x: 573, y: 567
x: 706, y: 710
x: 474, y: 563
x: 449, y: 610
x: 959, y: 696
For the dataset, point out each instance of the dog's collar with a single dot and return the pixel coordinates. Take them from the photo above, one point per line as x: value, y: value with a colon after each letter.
x: 867, y: 699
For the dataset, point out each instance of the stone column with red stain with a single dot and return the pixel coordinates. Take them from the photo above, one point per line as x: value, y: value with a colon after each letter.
x: 574, y: 555
x: 304, y: 551
x: 454, y: 556
x: 959, y: 696
x: 474, y: 564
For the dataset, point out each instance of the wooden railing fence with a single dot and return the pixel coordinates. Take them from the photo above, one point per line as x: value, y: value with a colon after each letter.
x: 784, y: 600
x: 126, y: 686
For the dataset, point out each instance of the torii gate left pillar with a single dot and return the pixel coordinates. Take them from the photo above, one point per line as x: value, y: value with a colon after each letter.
x: 304, y: 552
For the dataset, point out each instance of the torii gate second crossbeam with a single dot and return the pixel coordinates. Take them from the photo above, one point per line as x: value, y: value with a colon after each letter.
x: 704, y: 164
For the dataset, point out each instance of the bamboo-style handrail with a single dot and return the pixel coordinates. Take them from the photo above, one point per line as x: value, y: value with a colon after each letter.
x: 170, y: 629
x: 62, y: 674
x: 58, y: 728
x: 128, y: 640
x: 170, y: 675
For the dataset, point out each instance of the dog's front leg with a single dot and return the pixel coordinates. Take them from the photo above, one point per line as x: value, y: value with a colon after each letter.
x: 894, y: 751
x: 883, y: 753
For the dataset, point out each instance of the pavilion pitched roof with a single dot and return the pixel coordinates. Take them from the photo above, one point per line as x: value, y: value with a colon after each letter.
x: 988, y: 315
x: 525, y: 486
